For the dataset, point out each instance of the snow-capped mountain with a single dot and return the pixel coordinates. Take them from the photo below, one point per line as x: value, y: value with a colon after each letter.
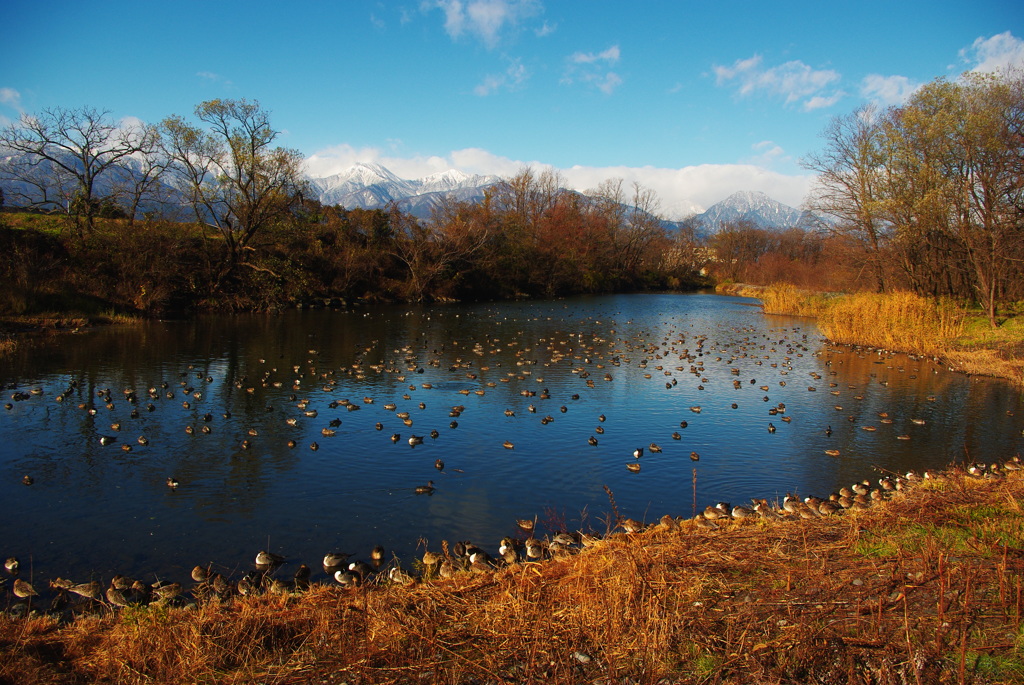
x: 755, y: 207
x: 373, y: 186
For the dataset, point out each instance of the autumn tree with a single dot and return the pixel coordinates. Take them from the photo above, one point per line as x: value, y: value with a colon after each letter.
x: 65, y: 158
x: 235, y: 179
x: 849, y: 172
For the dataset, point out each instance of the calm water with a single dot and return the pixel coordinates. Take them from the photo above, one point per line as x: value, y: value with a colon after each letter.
x: 642, y: 361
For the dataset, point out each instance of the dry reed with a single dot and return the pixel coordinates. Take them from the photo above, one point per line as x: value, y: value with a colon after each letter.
x: 782, y: 298
x: 899, y: 321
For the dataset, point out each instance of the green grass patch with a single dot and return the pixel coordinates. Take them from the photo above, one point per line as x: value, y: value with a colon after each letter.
x: 980, y: 530
x: 53, y: 224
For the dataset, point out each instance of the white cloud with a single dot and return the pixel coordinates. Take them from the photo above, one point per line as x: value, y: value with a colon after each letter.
x: 792, y: 80
x: 999, y: 52
x: 485, y: 20
x: 767, y: 153
x: 546, y: 29
x: 589, y: 68
x: 821, y: 102
x: 611, y: 55
x: 512, y: 79
x: 888, y: 90
x: 9, y: 97
x: 678, y: 189
x: 212, y: 77
x: 606, y: 83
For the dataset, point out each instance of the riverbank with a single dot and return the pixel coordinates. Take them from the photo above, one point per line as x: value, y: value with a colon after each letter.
x: 902, y: 322
x: 925, y: 587
x: 16, y: 329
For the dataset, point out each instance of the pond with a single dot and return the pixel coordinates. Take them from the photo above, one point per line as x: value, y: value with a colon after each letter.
x: 291, y: 432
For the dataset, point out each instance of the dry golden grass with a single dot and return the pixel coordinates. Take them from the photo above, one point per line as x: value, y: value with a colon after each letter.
x: 984, y: 362
x: 899, y: 321
x: 782, y: 298
x: 925, y: 589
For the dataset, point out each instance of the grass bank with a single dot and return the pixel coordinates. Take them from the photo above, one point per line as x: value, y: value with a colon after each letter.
x: 905, y: 322
x: 15, y: 330
x: 924, y: 588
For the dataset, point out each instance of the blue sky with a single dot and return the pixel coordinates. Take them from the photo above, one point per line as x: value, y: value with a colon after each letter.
x: 694, y: 100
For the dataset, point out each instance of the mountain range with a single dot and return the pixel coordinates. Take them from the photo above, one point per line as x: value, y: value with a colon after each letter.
x: 372, y: 186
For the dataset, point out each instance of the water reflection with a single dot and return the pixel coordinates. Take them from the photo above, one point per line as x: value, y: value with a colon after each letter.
x: 219, y: 400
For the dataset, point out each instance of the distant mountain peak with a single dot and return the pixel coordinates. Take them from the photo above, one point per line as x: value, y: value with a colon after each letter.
x: 370, y: 185
x: 752, y: 206
x: 451, y: 175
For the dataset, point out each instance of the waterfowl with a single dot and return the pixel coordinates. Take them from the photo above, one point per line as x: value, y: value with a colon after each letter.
x: 791, y: 504
x: 667, y: 523
x: 200, y: 574
x: 526, y: 525
x: 12, y: 565
x: 654, y: 447
x: 425, y: 489
x: 633, y: 466
x: 638, y: 452
x: 116, y: 597
x: 396, y: 437
x: 90, y: 590
x: 631, y: 525
x: 507, y: 445
x: 741, y: 512
x: 397, y: 575
x: 347, y: 579
x: 335, y: 559
x: 694, y: 456
x: 172, y: 482
x: 377, y: 554
x: 265, y: 558
x: 167, y: 592
x: 828, y: 430
x: 27, y: 480
x: 832, y: 453
x: 439, y: 465
x: 771, y: 427
x: 676, y: 436
x: 415, y: 440
x: 361, y: 569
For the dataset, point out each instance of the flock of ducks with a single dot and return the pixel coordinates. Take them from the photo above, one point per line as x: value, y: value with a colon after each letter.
x: 679, y: 357
x: 342, y: 569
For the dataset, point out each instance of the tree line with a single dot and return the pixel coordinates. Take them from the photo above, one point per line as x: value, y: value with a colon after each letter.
x: 931, y: 193
x: 210, y: 212
x: 252, y: 237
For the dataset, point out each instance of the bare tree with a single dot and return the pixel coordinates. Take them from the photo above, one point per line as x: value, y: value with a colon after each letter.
x: 59, y: 157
